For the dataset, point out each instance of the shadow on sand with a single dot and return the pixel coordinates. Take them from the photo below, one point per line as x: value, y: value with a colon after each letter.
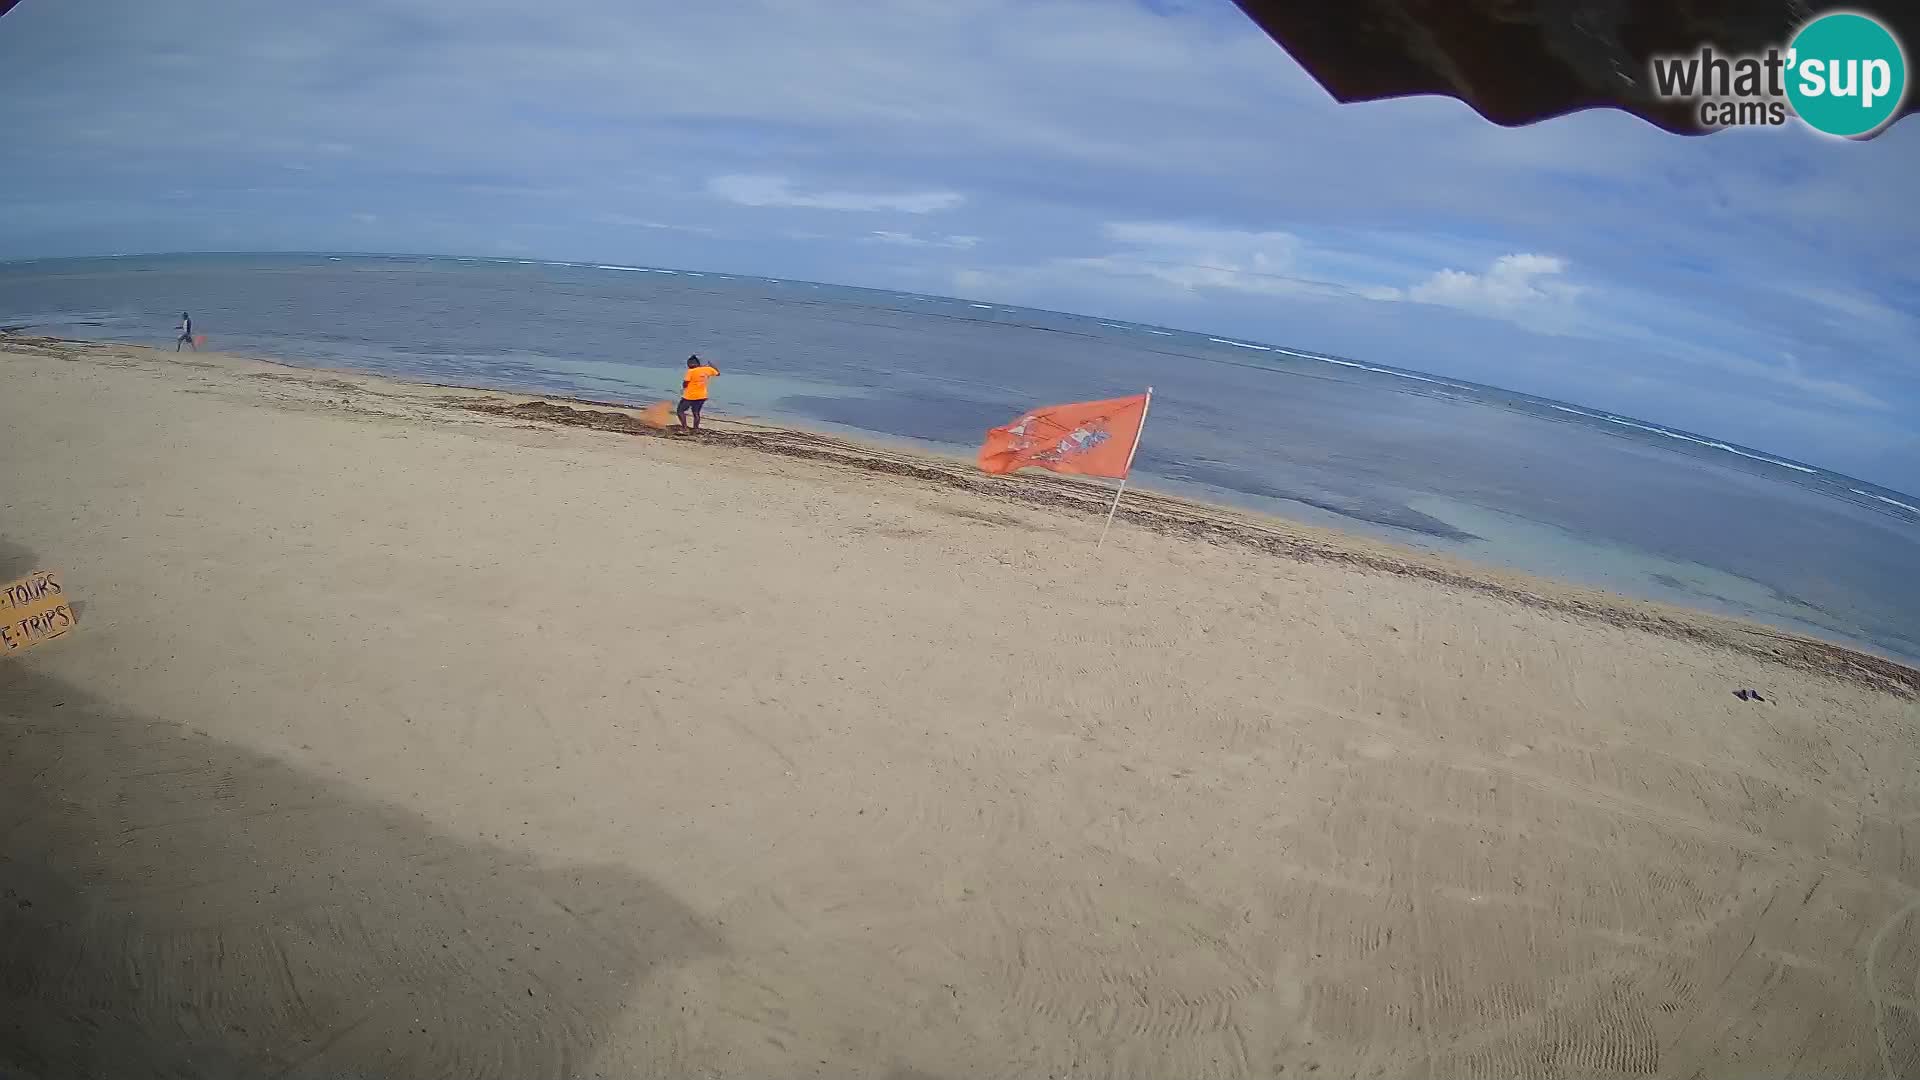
x: 175, y: 905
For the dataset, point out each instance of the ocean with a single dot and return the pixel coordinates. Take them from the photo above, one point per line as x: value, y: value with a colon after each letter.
x: 1490, y: 475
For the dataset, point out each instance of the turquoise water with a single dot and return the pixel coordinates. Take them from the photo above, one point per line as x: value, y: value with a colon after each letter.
x: 1371, y: 445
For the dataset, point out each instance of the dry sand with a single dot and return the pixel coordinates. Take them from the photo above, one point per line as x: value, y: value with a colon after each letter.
x: 403, y: 739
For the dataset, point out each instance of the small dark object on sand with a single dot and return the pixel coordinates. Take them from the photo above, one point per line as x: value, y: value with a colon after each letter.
x: 1748, y: 695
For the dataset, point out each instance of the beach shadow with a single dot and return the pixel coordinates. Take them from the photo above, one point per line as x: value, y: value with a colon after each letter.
x: 16, y: 561
x: 175, y: 905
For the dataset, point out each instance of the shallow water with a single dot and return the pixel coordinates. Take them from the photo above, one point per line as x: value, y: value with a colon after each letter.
x: 1366, y: 445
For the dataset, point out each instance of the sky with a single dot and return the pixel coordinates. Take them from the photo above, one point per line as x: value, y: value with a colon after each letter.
x: 1160, y: 161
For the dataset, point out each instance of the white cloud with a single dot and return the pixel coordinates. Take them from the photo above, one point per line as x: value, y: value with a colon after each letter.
x: 625, y: 221
x: 971, y: 281
x: 754, y: 190
x: 1513, y: 285
x: 1170, y: 260
x: 1051, y: 118
x: 1168, y: 234
x: 1200, y: 258
x: 1855, y: 310
x: 1187, y: 263
x: 1644, y: 324
x: 1790, y: 373
x: 1194, y: 257
x: 1834, y: 390
x: 907, y: 239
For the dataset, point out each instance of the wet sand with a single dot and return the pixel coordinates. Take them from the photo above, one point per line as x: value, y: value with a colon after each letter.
x: 416, y: 731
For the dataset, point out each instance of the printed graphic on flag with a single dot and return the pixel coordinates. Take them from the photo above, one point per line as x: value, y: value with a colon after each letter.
x: 1087, y: 438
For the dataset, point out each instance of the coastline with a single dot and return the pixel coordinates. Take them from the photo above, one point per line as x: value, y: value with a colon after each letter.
x: 413, y: 730
x: 1474, y: 472
x: 1169, y: 514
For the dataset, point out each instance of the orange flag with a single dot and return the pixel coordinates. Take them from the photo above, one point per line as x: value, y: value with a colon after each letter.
x: 1090, y: 438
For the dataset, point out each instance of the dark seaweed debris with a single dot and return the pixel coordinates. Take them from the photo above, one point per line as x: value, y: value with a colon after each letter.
x: 1179, y: 518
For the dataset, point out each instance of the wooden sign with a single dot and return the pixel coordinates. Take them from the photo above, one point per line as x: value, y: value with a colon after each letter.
x: 33, y: 609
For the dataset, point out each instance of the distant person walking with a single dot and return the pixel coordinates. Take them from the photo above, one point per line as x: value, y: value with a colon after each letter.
x: 186, y: 333
x: 693, y: 391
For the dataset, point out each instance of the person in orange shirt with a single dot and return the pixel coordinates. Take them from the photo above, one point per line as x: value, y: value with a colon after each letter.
x: 693, y: 391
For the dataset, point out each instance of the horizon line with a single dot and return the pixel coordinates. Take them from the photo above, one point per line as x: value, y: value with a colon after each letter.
x: 1591, y: 412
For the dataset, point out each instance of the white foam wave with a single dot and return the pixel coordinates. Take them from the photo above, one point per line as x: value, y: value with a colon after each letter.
x: 1415, y: 378
x: 1884, y: 499
x: 1623, y: 422
x: 1367, y: 367
x: 1762, y: 457
x: 989, y: 307
x: 1241, y: 344
x: 1162, y: 333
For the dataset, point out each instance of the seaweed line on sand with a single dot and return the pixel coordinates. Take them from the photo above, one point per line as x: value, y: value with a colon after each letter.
x: 1151, y: 510
x: 1177, y: 517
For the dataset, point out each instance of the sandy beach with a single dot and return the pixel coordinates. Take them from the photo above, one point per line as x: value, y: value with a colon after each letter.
x: 415, y: 731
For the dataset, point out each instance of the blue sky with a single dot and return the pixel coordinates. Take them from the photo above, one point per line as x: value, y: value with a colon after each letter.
x: 1160, y: 161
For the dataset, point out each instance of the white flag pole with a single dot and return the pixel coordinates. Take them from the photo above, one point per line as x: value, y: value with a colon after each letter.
x: 1117, y: 492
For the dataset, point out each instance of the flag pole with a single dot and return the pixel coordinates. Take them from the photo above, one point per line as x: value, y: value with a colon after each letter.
x: 1117, y: 492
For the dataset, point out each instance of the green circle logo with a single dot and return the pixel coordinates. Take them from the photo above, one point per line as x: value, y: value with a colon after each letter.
x: 1846, y: 75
